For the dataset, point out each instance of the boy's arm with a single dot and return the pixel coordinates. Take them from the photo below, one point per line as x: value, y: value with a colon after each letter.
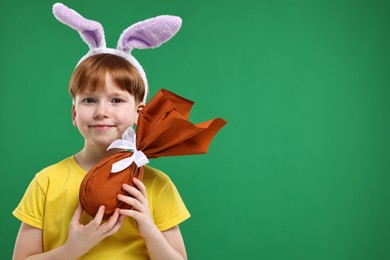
x: 29, y: 245
x: 175, y: 240
x: 81, y: 238
x: 28, y: 242
x: 166, y: 245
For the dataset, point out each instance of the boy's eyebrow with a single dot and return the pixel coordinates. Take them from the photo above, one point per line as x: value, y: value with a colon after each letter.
x: 85, y: 94
x: 113, y: 93
x: 117, y: 93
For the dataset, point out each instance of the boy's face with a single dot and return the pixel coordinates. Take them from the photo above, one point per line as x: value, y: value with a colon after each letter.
x: 102, y: 116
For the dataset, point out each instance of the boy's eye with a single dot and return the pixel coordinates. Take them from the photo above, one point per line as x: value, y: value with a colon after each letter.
x: 88, y: 100
x: 117, y: 100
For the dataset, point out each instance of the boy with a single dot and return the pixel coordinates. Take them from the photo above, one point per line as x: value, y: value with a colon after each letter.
x: 108, y: 92
x: 108, y: 88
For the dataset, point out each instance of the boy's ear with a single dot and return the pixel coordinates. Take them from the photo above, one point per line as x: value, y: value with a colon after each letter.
x: 140, y: 106
x: 74, y: 115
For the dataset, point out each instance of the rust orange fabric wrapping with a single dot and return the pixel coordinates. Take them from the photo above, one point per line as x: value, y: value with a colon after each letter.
x: 163, y: 129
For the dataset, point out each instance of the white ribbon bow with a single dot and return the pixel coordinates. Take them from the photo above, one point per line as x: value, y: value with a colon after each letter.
x: 128, y: 141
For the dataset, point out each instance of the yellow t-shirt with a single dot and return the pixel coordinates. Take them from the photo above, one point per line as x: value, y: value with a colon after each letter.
x: 53, y: 196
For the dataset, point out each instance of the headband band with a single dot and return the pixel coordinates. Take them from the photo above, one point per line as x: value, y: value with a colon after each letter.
x: 147, y: 34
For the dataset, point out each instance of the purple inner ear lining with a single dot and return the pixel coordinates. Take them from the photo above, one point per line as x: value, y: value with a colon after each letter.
x: 92, y: 35
x: 137, y: 40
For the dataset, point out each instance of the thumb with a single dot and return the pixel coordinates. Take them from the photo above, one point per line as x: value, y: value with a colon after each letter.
x: 77, y: 215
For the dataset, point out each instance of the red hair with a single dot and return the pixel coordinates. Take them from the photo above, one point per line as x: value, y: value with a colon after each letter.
x: 91, y: 73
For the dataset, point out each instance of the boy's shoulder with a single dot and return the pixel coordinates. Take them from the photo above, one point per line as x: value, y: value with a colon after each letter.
x: 153, y: 176
x: 66, y: 165
x: 158, y: 185
x: 153, y: 173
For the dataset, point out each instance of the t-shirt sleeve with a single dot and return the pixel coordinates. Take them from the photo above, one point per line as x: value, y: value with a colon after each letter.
x: 169, y: 209
x: 31, y: 208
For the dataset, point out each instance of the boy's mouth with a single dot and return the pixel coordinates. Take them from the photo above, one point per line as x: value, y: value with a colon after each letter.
x: 101, y: 126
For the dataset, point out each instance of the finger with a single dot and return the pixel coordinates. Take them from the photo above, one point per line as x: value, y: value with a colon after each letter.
x: 134, y: 192
x: 117, y: 225
x: 107, y: 226
x: 137, y: 205
x: 113, y: 219
x: 131, y: 213
x: 121, y: 217
x: 141, y: 187
x: 95, y: 223
x: 77, y: 215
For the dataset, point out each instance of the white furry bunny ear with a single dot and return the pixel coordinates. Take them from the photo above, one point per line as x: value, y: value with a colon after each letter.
x: 90, y: 31
x: 150, y: 33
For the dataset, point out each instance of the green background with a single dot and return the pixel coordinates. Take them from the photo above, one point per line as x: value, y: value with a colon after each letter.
x: 301, y: 171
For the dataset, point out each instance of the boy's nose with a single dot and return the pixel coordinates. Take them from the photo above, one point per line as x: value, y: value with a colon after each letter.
x: 101, y: 111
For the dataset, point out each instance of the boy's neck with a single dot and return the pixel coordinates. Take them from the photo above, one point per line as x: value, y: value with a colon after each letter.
x: 88, y: 157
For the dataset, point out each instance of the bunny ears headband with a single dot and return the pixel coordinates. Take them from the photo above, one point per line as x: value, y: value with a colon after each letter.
x: 147, y: 34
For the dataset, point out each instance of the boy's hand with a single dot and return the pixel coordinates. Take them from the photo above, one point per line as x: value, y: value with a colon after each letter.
x: 83, y: 237
x: 140, y: 208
